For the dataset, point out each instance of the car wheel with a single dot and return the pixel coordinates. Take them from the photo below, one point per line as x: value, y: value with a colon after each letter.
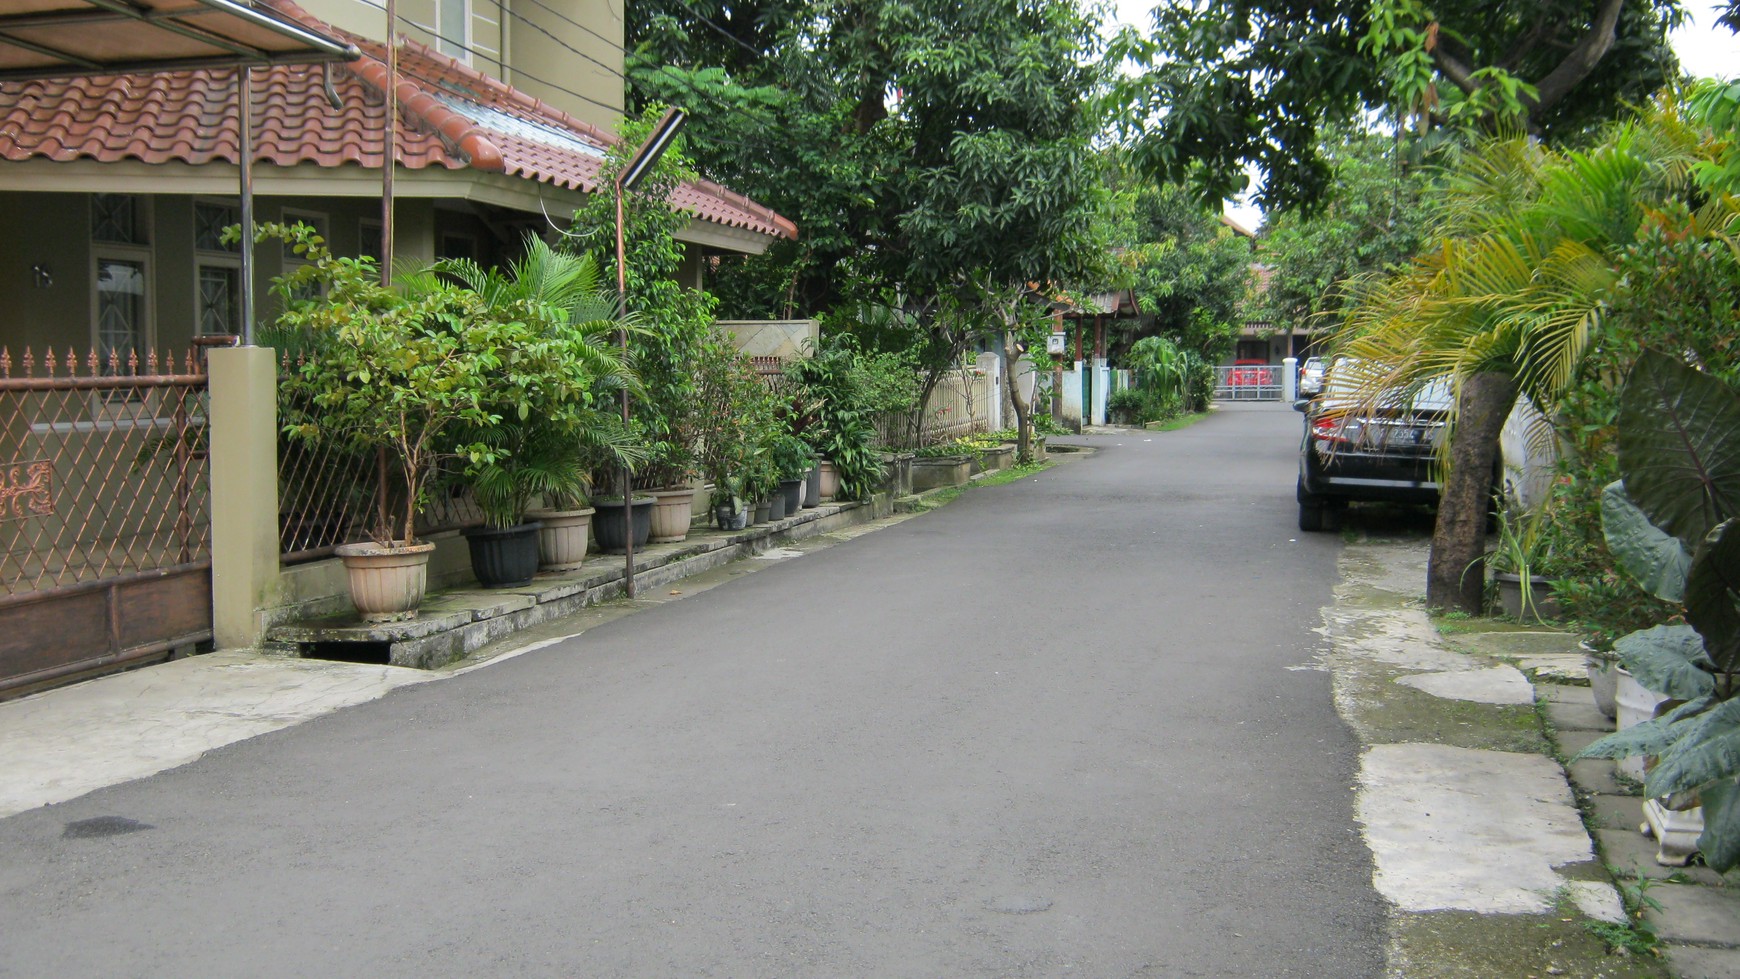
x: 1311, y: 516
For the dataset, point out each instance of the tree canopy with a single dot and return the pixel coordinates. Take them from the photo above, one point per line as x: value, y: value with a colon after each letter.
x: 1231, y: 83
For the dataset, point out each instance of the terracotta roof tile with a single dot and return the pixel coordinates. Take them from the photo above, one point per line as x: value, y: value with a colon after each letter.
x: 451, y: 117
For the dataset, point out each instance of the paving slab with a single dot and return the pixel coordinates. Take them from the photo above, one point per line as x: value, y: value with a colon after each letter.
x: 1691, y: 962
x: 1569, y: 669
x: 1616, y: 812
x: 1577, y: 717
x: 1693, y: 915
x: 1594, y: 774
x: 65, y: 742
x: 1467, y: 829
x: 1494, y: 685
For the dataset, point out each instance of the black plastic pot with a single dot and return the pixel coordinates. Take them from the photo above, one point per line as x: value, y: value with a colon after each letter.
x: 793, y: 491
x: 504, y: 557
x: 813, y: 488
x: 610, y: 530
x: 776, y: 506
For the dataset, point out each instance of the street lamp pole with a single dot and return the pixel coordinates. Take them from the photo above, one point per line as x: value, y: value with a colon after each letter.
x: 635, y: 171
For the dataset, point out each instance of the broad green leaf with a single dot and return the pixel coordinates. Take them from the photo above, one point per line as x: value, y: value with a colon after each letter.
x: 1679, y: 446
x: 1651, y: 737
x: 1713, y: 595
x: 1708, y: 749
x: 1655, y: 559
x: 1720, y: 841
x: 1668, y: 659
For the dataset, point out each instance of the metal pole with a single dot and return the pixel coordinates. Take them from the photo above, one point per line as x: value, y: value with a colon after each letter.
x: 390, y: 149
x: 622, y: 339
x: 245, y: 95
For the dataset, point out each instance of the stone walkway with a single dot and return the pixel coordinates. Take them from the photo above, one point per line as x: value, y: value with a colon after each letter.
x: 1481, y: 842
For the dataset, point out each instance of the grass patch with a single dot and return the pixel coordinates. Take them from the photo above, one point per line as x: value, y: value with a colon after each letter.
x: 1174, y: 424
x: 943, y: 497
x: 1011, y: 474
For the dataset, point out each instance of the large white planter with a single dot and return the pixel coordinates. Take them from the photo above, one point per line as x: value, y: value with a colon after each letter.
x: 1636, y: 704
x: 1675, y: 832
x: 386, y: 583
x: 563, y: 537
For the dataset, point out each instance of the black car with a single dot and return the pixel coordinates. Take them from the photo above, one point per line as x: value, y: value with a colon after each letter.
x: 1353, y: 452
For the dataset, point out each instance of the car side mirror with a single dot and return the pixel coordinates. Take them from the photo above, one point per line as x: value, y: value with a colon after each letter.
x: 1302, y: 405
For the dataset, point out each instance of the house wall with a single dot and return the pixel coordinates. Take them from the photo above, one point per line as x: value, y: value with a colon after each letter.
x: 35, y: 230
x: 566, y: 52
x: 53, y: 231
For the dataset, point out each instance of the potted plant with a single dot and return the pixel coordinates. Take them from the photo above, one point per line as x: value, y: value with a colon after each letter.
x: 391, y: 372
x: 549, y: 331
x: 1670, y: 525
x: 1525, y: 564
x: 792, y: 460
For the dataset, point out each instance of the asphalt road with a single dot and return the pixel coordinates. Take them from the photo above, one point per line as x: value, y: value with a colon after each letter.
x: 1067, y: 726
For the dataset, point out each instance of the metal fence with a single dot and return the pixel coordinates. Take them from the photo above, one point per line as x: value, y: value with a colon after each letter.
x: 960, y: 404
x: 329, y: 487
x: 105, y: 512
x: 105, y: 472
x: 1248, y: 382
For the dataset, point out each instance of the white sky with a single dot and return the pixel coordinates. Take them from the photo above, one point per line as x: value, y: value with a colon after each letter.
x: 1704, y: 50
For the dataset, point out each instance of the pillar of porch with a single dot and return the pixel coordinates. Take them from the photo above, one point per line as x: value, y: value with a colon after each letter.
x: 244, y: 491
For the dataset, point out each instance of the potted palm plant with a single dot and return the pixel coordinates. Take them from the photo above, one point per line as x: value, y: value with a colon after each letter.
x: 550, y: 330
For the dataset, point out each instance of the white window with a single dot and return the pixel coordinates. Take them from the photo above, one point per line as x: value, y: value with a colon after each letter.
x: 453, y: 24
x: 217, y: 269
x: 120, y: 281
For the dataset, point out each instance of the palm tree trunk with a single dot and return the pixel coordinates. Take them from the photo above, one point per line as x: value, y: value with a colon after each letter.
x: 1456, y: 570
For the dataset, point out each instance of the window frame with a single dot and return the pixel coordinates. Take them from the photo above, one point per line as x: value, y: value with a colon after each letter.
x: 204, y: 258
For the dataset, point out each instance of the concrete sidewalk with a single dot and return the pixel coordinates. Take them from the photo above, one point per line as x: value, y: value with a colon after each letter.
x: 1480, y: 841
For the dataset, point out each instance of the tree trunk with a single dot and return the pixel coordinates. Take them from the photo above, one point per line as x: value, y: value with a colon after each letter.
x: 932, y: 376
x: 1023, y: 412
x: 1456, y: 570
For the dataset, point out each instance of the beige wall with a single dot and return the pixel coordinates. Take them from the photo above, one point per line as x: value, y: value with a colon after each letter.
x: 570, y: 58
x: 52, y: 230
x: 46, y: 230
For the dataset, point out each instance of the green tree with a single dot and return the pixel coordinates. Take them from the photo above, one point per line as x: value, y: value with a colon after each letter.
x: 1190, y: 272
x: 1515, y: 284
x: 676, y: 320
x: 1374, y: 216
x: 1231, y: 83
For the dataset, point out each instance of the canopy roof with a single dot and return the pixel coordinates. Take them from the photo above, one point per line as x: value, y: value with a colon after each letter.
x: 69, y: 38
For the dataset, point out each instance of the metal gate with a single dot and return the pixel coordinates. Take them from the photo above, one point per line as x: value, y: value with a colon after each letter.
x: 104, y: 513
x: 1248, y: 382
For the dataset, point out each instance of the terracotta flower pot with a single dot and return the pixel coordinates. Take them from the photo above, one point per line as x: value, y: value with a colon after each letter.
x: 563, y: 538
x: 830, y: 481
x: 671, y: 513
x: 386, y: 583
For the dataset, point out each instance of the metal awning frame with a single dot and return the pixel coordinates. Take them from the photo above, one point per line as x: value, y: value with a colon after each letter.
x: 221, y: 24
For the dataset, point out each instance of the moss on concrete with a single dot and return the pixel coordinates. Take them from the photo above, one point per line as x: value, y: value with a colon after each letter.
x: 1463, y: 945
x: 1387, y: 712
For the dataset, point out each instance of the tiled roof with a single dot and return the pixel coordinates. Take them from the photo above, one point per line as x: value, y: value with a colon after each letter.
x: 451, y: 117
